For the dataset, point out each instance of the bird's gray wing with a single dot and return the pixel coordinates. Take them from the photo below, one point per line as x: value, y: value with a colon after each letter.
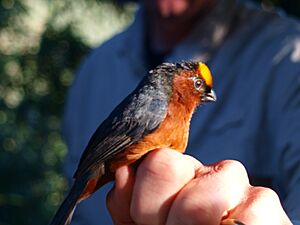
x: 136, y: 116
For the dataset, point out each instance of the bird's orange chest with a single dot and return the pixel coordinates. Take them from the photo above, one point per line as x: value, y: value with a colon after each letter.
x: 172, y: 133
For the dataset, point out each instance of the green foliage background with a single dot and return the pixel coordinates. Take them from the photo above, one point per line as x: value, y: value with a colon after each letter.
x: 41, y: 45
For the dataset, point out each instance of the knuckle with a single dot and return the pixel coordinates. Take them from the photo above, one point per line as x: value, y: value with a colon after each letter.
x: 231, y: 167
x: 161, y: 163
x: 267, y: 194
x: 265, y: 200
x: 232, y: 177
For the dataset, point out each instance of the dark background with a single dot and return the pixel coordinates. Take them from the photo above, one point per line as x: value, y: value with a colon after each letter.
x: 41, y: 45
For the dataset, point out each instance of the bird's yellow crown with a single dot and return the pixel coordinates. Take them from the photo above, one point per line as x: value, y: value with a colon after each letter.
x: 206, y: 74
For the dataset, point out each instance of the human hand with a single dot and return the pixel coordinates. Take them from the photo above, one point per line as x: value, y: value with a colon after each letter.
x: 171, y: 188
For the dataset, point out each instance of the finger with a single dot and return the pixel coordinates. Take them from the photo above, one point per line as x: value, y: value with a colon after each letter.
x: 262, y: 206
x: 119, y: 198
x: 206, y: 199
x: 158, y: 179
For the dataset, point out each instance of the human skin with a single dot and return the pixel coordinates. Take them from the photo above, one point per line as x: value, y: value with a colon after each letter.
x: 168, y: 22
x: 172, y: 188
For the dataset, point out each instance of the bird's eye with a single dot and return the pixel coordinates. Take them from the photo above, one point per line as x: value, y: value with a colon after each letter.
x: 198, y: 84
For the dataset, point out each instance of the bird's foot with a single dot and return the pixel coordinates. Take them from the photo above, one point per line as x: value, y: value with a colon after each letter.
x: 231, y: 222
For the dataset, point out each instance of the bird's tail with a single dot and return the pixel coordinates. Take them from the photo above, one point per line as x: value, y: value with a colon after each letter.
x: 65, y: 212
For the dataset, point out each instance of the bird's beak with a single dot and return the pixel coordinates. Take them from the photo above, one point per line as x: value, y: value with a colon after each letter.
x: 209, y: 96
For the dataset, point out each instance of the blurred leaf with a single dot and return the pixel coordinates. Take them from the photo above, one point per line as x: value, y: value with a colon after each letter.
x: 38, y: 58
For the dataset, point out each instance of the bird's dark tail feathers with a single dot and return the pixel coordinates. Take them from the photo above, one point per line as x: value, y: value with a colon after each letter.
x: 65, y: 212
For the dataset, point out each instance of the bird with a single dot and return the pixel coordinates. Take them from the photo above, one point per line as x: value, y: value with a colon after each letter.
x: 155, y: 115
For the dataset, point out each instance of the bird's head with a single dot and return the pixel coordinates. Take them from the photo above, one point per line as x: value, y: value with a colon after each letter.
x: 193, y: 80
x: 189, y: 82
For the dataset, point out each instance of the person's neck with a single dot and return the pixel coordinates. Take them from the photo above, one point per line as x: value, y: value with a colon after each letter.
x: 165, y: 34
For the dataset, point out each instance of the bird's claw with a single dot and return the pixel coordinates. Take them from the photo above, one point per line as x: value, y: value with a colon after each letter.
x: 231, y: 222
